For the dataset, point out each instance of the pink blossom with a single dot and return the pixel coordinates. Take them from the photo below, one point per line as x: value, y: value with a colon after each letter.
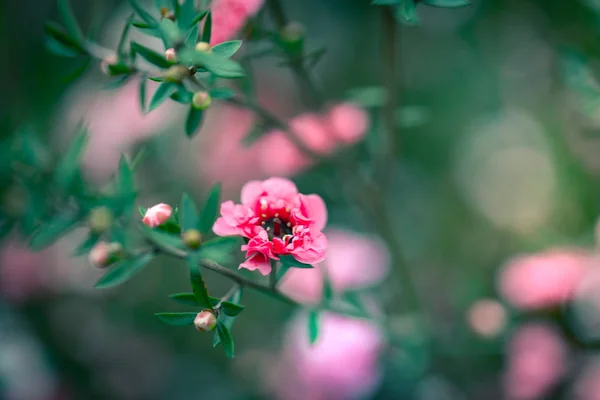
x: 536, y: 361
x: 229, y: 16
x: 353, y: 261
x: 157, y: 215
x: 543, y: 280
x: 343, y: 364
x: 99, y: 255
x: 277, y: 220
x: 348, y: 122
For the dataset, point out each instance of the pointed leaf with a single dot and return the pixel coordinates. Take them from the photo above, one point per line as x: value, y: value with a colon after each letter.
x: 198, y: 284
x: 124, y: 271
x: 193, y: 121
x: 235, y: 298
x: 147, y: 18
x: 291, y: 262
x: 189, y: 299
x: 211, y: 208
x: 70, y: 21
x: 206, y: 31
x: 192, y: 37
x: 231, y: 309
x: 227, y: 49
x: 407, y: 12
x: 53, y: 230
x: 313, y: 326
x: 68, y: 167
x: 162, y: 93
x: 226, y: 339
x: 162, y: 239
x: 150, y: 55
x: 177, y: 318
x: 142, y: 92
x: 199, y: 18
x: 55, y: 31
x: 87, y: 245
x: 188, y: 213
x: 170, y: 33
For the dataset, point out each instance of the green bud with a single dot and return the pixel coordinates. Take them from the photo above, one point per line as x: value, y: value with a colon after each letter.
x: 201, y: 100
x: 176, y: 74
x: 204, y: 47
x: 192, y: 239
x: 100, y: 220
x: 292, y: 37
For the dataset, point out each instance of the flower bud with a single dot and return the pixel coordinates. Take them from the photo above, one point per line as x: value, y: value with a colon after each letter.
x: 100, y: 255
x: 100, y: 220
x: 205, y: 321
x: 107, y: 62
x: 192, y: 239
x: 157, y: 215
x: 166, y: 13
x: 292, y: 37
x: 176, y: 74
x: 116, y: 250
x: 201, y: 100
x: 204, y: 47
x: 171, y: 55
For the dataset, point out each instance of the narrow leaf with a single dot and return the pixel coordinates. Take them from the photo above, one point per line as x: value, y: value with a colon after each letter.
x: 227, y: 49
x: 206, y: 31
x: 70, y: 21
x: 55, y: 31
x: 222, y: 93
x: 313, y: 326
x: 150, y: 55
x: 53, y: 230
x: 142, y: 93
x: 147, y: 18
x: 189, y: 299
x: 198, y: 284
x: 162, y: 239
x: 193, y: 121
x: 291, y: 262
x: 199, y: 18
x: 188, y: 213
x: 231, y: 309
x: 87, y: 245
x: 124, y: 271
x: 170, y: 33
x: 123, y: 40
x: 235, y: 298
x: 177, y: 318
x: 211, y: 208
x: 192, y: 37
x: 162, y: 93
x: 217, y: 65
x: 226, y: 339
x: 68, y: 167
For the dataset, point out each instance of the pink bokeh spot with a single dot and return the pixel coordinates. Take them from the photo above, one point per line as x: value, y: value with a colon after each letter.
x: 276, y: 220
x: 543, y: 280
x: 229, y: 16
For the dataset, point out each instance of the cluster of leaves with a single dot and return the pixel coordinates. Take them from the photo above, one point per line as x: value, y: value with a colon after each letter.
x: 178, y: 27
x: 406, y: 10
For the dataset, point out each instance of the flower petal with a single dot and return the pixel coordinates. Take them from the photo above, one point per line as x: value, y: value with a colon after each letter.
x: 222, y: 228
x: 251, y: 191
x: 280, y: 188
x: 258, y: 261
x: 315, y: 209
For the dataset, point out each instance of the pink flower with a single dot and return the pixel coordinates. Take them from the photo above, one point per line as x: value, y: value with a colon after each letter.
x: 229, y: 16
x: 348, y: 122
x: 157, y: 215
x: 343, y: 364
x: 99, y: 255
x: 543, y: 280
x: 277, y: 220
x: 353, y: 261
x: 536, y: 361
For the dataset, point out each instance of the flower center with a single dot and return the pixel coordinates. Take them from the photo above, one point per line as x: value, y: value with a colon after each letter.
x: 277, y: 227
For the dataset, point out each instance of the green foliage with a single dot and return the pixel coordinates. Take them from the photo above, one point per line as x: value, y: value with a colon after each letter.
x: 217, y: 65
x: 145, y: 16
x: 162, y: 239
x: 447, y: 3
x: 228, y: 321
x: 221, y: 93
x: 67, y: 170
x: 231, y: 309
x: 291, y: 262
x: 211, y: 208
x: 124, y: 270
x: 53, y: 229
x: 188, y: 213
x: 189, y: 299
x: 193, y: 121
x: 163, y: 92
x: 177, y: 318
x: 313, y: 326
x: 150, y: 55
x: 225, y: 339
x: 198, y: 284
x: 227, y: 49
x: 206, y: 32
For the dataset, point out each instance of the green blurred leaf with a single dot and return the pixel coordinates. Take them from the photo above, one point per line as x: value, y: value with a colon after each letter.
x: 87, y: 245
x: 150, y: 55
x: 119, y: 69
x: 447, y: 3
x: 206, y: 31
x: 70, y: 21
x: 185, y: 13
x: 177, y: 318
x: 142, y: 210
x: 126, y: 182
x: 213, y: 63
x: 56, y: 32
x: 150, y: 30
x: 147, y: 18
x: 192, y: 37
x: 199, y: 17
x: 189, y: 299
x: 193, y: 121
x: 222, y: 93
x: 171, y: 34
x: 124, y: 271
x: 313, y: 326
x: 198, y: 284
x: 256, y: 133
x: 231, y: 309
x: 163, y: 92
x: 60, y: 49
x: 182, y: 95
x: 52, y: 230
x: 327, y: 290
x: 142, y: 92
x: 211, y: 208
x: 188, y: 213
x: 291, y: 262
x: 407, y: 12
x: 226, y: 339
x: 67, y: 169
x: 162, y: 239
x: 123, y: 40
x: 227, y: 49
x: 235, y: 298
x: 225, y: 243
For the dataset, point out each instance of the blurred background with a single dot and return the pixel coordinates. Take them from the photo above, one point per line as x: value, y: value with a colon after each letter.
x: 493, y: 200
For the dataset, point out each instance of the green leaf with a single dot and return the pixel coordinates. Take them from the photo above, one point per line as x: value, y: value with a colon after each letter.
x: 227, y: 49
x: 123, y: 40
x: 291, y: 262
x: 231, y: 309
x: 147, y: 18
x: 313, y: 326
x: 57, y: 33
x: 124, y: 271
x: 217, y: 65
x: 185, y: 13
x: 142, y: 92
x: 68, y: 168
x: 225, y: 243
x: 189, y: 299
x: 327, y: 290
x: 198, y: 284
x: 60, y: 49
x: 150, y: 30
x: 163, y: 92
x: 211, y: 208
x: 119, y: 69
x: 226, y: 339
x: 447, y: 3
x: 142, y: 210
x: 126, y: 186
x: 407, y: 11
x: 52, y: 230
x: 235, y: 298
x: 199, y: 18
x: 207, y: 28
x: 171, y: 34
x: 193, y: 121
x: 87, y: 245
x: 177, y: 318
x: 182, y: 95
x: 192, y: 37
x: 222, y: 93
x: 150, y: 55
x: 188, y: 213
x: 70, y: 21
x: 162, y: 239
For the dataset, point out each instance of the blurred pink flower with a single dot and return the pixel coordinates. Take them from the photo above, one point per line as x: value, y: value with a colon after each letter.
x: 352, y: 261
x: 545, y: 279
x: 157, y: 215
x: 348, y: 122
x: 277, y: 220
x: 487, y: 317
x: 343, y: 364
x: 20, y: 274
x: 229, y: 16
x: 537, y: 358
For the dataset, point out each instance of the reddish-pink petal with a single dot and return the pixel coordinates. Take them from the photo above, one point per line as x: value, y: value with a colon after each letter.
x: 315, y: 209
x: 222, y: 228
x: 258, y: 261
x: 251, y: 191
x: 280, y: 188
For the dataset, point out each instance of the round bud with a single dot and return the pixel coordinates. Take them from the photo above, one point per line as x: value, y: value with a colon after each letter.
x: 100, y: 220
x: 201, y: 100
x: 171, y: 55
x: 100, y: 255
x: 204, y: 47
x: 157, y: 215
x: 192, y: 239
x: 205, y: 321
x: 176, y: 74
